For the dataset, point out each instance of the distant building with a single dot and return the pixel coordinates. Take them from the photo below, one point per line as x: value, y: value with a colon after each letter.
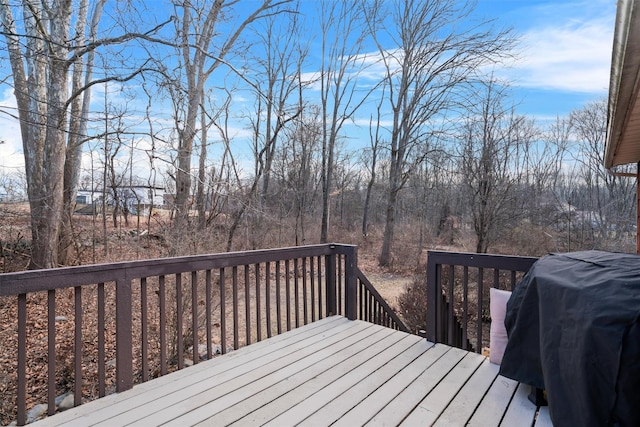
x: 88, y: 197
x: 132, y: 196
x: 145, y: 195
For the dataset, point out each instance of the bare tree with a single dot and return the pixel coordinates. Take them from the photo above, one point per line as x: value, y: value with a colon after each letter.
x: 278, y: 71
x: 370, y: 163
x: 298, y: 168
x: 343, y: 33
x: 544, y: 167
x: 202, y: 53
x: 201, y: 205
x: 43, y: 51
x: 491, y: 140
x: 430, y: 57
x: 10, y: 186
x: 610, y: 196
x: 275, y: 81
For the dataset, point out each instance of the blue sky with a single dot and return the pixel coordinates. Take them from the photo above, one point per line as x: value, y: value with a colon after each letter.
x: 563, y: 60
x: 565, y: 53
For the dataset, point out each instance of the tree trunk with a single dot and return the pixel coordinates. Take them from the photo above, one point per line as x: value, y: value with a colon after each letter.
x: 42, y: 111
x: 365, y: 210
x: 77, y: 128
x: 389, y: 226
x: 183, y: 176
x: 326, y: 186
x: 201, y: 205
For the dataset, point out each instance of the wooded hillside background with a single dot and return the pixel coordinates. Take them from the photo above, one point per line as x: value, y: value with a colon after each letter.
x: 372, y: 122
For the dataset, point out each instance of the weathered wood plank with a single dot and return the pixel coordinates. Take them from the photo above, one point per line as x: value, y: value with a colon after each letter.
x: 106, y: 404
x: 221, y: 398
x: 344, y: 402
x: 467, y: 399
x: 435, y: 402
x: 294, y: 380
x: 193, y: 392
x: 410, y: 397
x: 333, y: 371
x: 388, y: 391
x: 299, y: 397
x: 521, y: 411
x: 495, y: 403
x: 350, y: 376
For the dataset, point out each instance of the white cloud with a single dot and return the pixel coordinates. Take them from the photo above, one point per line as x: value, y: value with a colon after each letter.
x: 568, y: 54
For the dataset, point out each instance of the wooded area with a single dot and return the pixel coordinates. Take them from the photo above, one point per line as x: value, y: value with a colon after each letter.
x: 372, y: 122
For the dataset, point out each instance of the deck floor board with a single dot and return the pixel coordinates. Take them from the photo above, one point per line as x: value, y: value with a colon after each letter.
x: 495, y: 403
x: 521, y: 410
x: 269, y: 369
x: 282, y: 380
x: 407, y: 400
x: 287, y: 389
x: 430, y: 408
x: 331, y: 372
x: 460, y: 410
x: 344, y: 402
x: 386, y: 393
x: 346, y: 379
x: 104, y: 408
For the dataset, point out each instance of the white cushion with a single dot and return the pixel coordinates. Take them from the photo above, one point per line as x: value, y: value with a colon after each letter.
x: 498, y: 333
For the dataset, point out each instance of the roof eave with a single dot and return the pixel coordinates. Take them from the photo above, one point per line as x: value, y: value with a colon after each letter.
x: 623, y: 88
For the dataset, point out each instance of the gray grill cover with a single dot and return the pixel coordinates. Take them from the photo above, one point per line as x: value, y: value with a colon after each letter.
x: 573, y: 326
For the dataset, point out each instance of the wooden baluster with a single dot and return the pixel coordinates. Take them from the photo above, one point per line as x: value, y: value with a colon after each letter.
x: 51, y: 343
x: 247, y: 304
x: 223, y: 313
x: 101, y: 343
x: 258, y: 307
x: 207, y: 308
x: 296, y: 292
x: 22, y: 359
x: 305, y: 310
x: 179, y: 320
x: 144, y: 327
x: 194, y: 317
x: 278, y: 298
x: 267, y: 296
x: 163, y: 325
x: 288, y: 292
x: 236, y: 314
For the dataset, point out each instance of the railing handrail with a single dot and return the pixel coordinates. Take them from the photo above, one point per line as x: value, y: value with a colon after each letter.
x: 64, y: 277
x: 471, y: 259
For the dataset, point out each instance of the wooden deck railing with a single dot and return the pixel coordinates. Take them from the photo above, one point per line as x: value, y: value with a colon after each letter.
x: 373, y: 308
x: 458, y: 294
x: 129, y: 322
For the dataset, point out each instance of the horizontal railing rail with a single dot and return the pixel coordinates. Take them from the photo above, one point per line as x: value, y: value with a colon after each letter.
x: 91, y: 330
x: 458, y: 294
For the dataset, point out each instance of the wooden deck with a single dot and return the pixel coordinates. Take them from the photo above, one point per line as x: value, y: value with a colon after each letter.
x: 330, y: 372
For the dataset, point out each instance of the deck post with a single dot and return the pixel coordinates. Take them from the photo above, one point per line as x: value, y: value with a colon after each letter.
x: 351, y: 282
x: 330, y: 279
x: 124, y: 339
x: 433, y: 281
